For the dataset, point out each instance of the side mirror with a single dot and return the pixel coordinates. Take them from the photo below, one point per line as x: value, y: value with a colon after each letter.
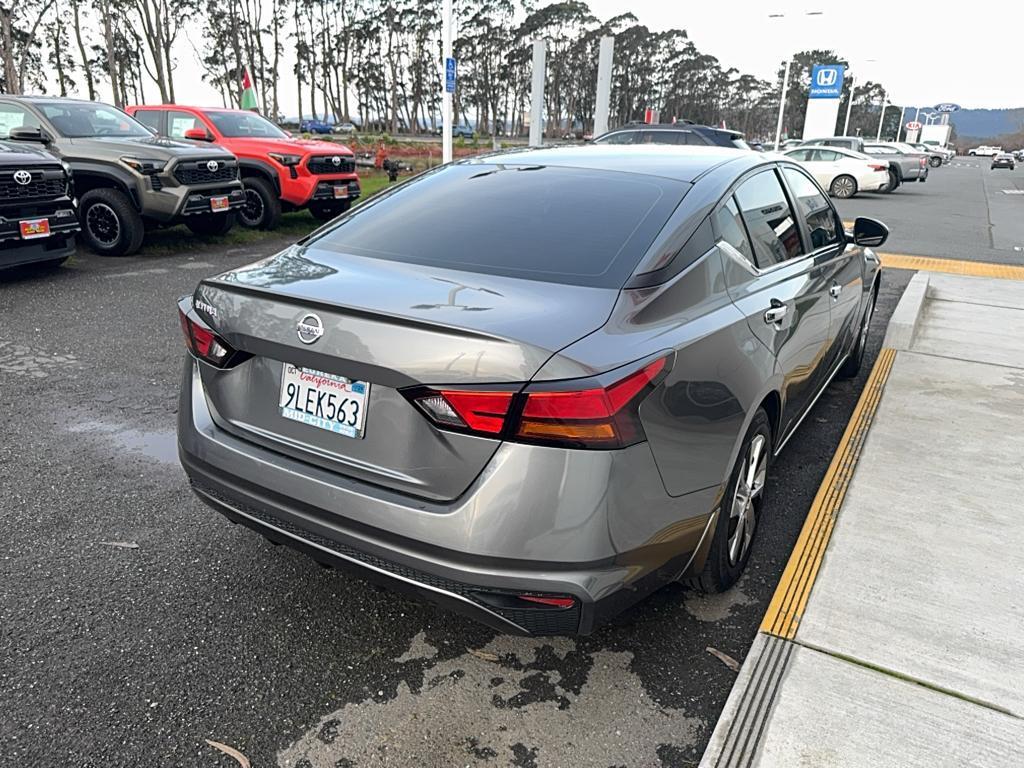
x: 198, y: 134
x: 30, y: 134
x: 152, y: 130
x: 869, y: 232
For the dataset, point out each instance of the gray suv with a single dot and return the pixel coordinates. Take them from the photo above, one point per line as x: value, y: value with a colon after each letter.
x: 541, y: 413
x: 125, y: 178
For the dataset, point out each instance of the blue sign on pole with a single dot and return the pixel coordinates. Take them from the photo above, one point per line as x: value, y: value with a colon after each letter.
x: 449, y: 75
x: 827, y: 81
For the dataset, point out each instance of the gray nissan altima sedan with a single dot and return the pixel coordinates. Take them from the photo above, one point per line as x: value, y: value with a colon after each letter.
x: 533, y: 386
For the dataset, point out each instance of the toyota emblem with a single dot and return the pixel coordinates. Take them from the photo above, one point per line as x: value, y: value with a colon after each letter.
x: 212, y: 166
x: 310, y: 328
x: 336, y: 160
x: 22, y: 177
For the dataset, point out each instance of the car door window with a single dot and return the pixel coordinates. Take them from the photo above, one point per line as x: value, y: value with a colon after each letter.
x: 179, y: 122
x: 622, y: 137
x: 729, y: 227
x: 661, y: 137
x: 13, y: 116
x: 822, y: 220
x: 803, y: 155
x: 824, y: 156
x: 149, y: 118
x: 769, y: 219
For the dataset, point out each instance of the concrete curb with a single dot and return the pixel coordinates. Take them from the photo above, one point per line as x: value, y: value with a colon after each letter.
x: 904, y: 321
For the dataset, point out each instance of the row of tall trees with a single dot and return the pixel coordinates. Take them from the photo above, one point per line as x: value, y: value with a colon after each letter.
x: 377, y: 61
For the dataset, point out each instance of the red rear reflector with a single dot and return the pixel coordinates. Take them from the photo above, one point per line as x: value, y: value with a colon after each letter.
x: 555, y: 602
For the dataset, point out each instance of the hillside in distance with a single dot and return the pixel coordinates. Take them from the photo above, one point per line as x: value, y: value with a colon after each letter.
x: 988, y: 123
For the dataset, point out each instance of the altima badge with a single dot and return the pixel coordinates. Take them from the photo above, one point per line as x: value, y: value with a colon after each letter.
x: 310, y: 328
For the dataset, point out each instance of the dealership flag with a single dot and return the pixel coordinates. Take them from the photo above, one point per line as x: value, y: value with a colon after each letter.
x: 248, y: 92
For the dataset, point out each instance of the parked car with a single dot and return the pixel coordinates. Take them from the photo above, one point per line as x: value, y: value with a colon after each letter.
x: 673, y: 133
x: 389, y: 399
x: 315, y: 126
x: 903, y: 166
x: 936, y: 155
x: 852, y: 143
x: 1004, y: 160
x: 346, y: 128
x: 842, y: 172
x: 280, y: 173
x: 984, y: 151
x: 1019, y: 155
x: 38, y: 220
x: 125, y: 178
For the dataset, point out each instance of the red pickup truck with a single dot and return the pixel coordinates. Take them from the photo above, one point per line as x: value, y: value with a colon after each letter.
x: 280, y: 173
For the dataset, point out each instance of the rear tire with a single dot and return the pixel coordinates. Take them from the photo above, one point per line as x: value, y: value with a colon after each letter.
x: 851, y: 367
x: 211, y: 224
x: 262, y: 209
x: 328, y: 211
x: 110, y: 224
x: 935, y: 162
x: 843, y: 187
x: 740, y: 509
x: 894, y: 181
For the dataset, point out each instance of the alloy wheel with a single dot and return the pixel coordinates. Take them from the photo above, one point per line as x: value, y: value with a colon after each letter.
x: 251, y: 213
x: 843, y: 187
x: 103, y: 224
x: 749, y: 487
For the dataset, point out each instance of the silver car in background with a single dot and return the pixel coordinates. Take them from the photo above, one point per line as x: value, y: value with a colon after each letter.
x: 533, y: 386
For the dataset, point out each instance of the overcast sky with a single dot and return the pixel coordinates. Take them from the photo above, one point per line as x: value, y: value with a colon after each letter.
x: 940, y: 57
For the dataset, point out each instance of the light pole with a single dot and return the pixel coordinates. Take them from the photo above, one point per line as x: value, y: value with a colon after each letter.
x: 785, y: 80
x: 849, y: 105
x: 881, y: 118
x: 446, y: 97
x: 899, y: 128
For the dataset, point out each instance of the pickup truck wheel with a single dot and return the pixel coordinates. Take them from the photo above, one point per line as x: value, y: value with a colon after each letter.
x: 110, y: 224
x: 843, y: 187
x: 262, y: 209
x: 894, y: 181
x: 211, y: 223
x: 327, y: 211
x: 740, y: 509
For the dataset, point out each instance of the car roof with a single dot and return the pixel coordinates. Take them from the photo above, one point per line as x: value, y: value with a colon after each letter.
x: 680, y: 163
x: 682, y: 126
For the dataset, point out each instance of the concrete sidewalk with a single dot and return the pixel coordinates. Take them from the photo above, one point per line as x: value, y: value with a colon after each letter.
x: 896, y: 636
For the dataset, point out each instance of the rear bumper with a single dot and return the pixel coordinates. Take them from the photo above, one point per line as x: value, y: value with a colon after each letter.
x: 290, y: 503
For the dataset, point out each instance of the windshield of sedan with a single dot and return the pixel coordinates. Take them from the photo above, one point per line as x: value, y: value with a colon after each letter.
x: 74, y: 120
x: 556, y: 224
x: 239, y: 125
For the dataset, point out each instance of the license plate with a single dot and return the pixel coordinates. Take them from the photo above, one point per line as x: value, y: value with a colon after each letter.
x: 324, y: 400
x: 33, y: 228
x: 219, y: 203
x: 340, y: 192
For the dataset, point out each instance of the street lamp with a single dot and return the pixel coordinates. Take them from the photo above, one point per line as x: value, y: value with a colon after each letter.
x: 881, y: 118
x: 785, y: 79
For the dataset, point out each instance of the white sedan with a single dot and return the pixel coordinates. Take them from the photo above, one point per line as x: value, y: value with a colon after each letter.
x: 842, y: 172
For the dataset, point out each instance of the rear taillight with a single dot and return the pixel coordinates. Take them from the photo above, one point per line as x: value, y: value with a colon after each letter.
x: 924, y: 161
x: 879, y: 168
x: 204, y: 343
x: 570, y: 414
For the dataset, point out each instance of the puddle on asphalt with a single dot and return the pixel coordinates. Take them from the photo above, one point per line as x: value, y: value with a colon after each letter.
x: 161, y: 445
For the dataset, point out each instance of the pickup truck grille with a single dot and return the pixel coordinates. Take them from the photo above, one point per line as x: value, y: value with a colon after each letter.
x: 45, y: 185
x: 198, y: 172
x: 323, y: 164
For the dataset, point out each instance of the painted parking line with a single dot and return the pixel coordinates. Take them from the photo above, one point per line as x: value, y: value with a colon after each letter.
x: 790, y: 598
x: 952, y: 266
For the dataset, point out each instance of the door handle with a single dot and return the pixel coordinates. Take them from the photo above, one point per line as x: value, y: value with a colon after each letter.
x: 776, y: 313
x: 835, y: 290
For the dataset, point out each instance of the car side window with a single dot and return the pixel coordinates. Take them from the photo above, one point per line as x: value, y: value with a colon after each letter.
x: 729, y: 227
x: 825, y: 156
x: 822, y: 220
x: 14, y: 116
x: 149, y: 118
x: 622, y: 137
x: 766, y: 212
x: 661, y: 137
x: 803, y: 155
x: 179, y: 122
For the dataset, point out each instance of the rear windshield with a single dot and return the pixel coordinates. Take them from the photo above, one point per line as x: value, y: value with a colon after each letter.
x: 566, y: 225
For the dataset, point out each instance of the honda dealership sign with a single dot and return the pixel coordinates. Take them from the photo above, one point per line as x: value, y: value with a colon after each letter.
x: 826, y: 91
x: 827, y: 81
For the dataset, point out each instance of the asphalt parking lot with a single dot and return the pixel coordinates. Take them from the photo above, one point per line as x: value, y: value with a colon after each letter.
x: 135, y: 623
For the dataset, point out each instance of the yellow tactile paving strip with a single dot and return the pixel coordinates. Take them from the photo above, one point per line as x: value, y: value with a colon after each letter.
x: 790, y: 598
x: 952, y: 266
